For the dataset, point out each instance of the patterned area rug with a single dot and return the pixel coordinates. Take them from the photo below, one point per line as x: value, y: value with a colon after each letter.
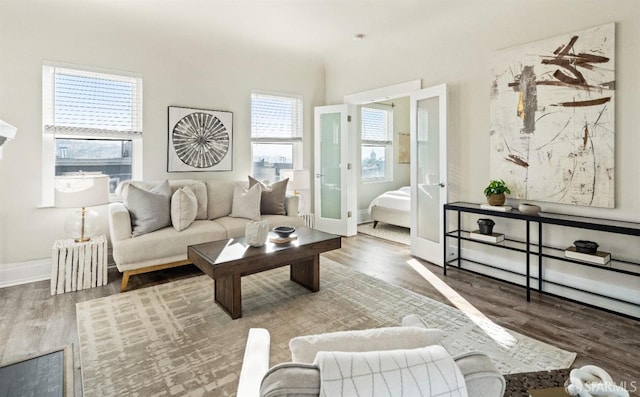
x: 172, y: 339
x: 386, y: 231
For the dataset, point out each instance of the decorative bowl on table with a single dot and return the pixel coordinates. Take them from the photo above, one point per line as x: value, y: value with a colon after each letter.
x: 586, y: 247
x: 284, y: 231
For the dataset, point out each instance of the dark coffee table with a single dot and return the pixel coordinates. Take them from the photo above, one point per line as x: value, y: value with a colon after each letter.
x: 226, y: 261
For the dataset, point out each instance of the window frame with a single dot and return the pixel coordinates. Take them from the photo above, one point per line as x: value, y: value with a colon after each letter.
x: 49, y: 137
x: 296, y: 140
x: 387, y: 144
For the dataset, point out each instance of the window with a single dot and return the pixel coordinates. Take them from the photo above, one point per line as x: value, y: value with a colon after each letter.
x: 376, y: 124
x: 92, y: 122
x: 276, y: 134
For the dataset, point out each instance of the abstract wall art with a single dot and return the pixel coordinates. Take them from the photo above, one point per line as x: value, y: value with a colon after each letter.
x: 552, y: 107
x: 199, y: 140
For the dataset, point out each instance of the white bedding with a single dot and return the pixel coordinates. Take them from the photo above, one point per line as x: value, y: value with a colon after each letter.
x: 395, y: 199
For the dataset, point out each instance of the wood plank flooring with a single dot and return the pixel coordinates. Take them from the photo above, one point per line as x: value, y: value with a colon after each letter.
x: 33, y: 321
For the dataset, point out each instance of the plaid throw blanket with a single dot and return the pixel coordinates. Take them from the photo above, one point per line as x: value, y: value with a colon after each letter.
x: 423, y: 372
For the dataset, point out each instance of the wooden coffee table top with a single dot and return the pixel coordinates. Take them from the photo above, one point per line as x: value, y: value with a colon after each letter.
x: 224, y: 256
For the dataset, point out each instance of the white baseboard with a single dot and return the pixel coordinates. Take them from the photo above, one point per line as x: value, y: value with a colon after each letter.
x: 29, y: 271
x: 25, y: 272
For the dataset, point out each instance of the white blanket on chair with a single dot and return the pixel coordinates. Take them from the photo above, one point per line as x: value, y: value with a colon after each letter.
x: 424, y: 372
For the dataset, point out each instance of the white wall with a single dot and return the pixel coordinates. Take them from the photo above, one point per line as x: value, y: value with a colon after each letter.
x: 176, y: 71
x: 457, y: 48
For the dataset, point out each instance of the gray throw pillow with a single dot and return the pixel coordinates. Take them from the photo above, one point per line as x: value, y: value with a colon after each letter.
x: 150, y: 209
x: 273, y: 196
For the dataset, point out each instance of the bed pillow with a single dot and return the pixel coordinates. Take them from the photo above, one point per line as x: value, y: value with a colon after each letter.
x: 304, y: 348
x: 184, y: 208
x: 150, y: 209
x: 273, y: 196
x: 246, y: 203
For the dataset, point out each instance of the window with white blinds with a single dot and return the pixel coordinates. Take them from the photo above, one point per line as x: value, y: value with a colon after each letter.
x: 91, y: 123
x: 376, y: 139
x: 88, y: 103
x: 276, y: 134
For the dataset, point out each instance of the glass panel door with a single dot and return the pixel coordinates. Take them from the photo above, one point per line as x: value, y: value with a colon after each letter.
x: 428, y: 126
x: 334, y: 195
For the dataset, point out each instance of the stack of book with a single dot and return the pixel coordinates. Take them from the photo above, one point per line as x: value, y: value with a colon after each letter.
x: 598, y: 257
x: 503, y: 208
x: 490, y: 238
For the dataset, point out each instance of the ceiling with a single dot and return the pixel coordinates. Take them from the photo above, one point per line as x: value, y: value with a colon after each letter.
x: 305, y: 26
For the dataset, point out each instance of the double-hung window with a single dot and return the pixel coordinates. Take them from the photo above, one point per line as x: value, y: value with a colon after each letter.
x: 92, y: 123
x: 376, y: 124
x: 276, y: 134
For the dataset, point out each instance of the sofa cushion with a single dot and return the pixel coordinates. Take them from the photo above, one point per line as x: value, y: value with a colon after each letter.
x: 184, y: 207
x: 199, y: 189
x: 150, y: 209
x: 219, y: 198
x: 304, y: 348
x: 164, y: 245
x: 272, y: 197
x: 246, y: 203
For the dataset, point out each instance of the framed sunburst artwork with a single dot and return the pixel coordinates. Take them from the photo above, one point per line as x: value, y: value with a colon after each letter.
x: 199, y: 140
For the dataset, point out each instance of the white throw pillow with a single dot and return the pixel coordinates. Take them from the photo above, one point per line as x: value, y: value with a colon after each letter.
x: 304, y: 348
x: 150, y: 210
x: 246, y: 203
x: 184, y: 208
x: 427, y: 371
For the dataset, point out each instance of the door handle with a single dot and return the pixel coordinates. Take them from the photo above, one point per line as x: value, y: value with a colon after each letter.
x: 319, y: 175
x: 441, y: 184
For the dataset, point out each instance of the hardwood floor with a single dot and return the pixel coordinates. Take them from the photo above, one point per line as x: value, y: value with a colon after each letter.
x: 32, y: 321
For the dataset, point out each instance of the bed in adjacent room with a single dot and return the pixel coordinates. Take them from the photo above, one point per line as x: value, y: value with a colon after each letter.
x: 393, y: 207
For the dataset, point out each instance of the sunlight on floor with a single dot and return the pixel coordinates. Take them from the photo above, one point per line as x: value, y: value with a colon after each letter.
x: 493, y: 330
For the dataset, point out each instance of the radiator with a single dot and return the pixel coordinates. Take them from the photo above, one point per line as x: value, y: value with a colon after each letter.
x: 308, y: 220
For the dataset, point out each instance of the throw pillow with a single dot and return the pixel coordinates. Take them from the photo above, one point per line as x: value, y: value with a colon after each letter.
x: 184, y: 208
x: 273, y: 196
x: 246, y: 203
x: 150, y: 209
x: 427, y: 371
x: 304, y: 348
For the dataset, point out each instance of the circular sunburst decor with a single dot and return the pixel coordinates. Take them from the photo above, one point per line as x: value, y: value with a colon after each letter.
x: 200, y: 140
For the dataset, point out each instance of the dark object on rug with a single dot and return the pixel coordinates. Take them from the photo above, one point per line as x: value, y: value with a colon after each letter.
x: 485, y: 225
x: 518, y: 385
x: 49, y: 374
x: 585, y: 246
x: 284, y: 231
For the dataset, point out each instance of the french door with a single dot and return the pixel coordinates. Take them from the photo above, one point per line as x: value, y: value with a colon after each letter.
x: 335, y: 198
x: 428, y: 130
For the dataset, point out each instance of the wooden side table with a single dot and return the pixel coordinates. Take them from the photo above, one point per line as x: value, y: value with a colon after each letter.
x: 76, y: 266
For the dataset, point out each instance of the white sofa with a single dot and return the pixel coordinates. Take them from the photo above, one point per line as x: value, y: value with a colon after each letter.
x: 167, y: 247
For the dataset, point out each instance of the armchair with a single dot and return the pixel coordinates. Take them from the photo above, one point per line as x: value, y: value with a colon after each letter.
x: 303, y: 379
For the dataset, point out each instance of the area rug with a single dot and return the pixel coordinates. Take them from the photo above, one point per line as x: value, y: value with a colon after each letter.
x: 172, y: 339
x: 386, y: 231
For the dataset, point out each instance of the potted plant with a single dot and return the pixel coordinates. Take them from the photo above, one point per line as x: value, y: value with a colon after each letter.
x: 495, y: 192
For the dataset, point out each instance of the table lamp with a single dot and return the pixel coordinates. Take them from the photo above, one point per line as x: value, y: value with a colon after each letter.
x: 7, y: 133
x: 81, y: 191
x: 298, y: 180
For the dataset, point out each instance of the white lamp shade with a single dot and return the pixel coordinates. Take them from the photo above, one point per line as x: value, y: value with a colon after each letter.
x: 81, y: 190
x: 7, y: 131
x: 298, y: 179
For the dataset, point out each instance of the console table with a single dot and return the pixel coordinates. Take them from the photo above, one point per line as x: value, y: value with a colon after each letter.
x: 538, y: 250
